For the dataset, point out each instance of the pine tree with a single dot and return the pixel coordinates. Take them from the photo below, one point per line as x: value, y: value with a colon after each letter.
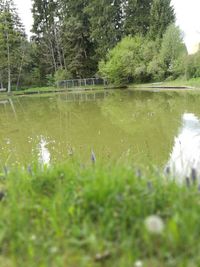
x: 137, y: 16
x: 76, y: 42
x: 105, y: 24
x: 161, y: 16
x: 45, y: 15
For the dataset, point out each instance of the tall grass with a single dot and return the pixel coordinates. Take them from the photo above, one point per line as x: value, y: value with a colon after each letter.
x: 76, y: 216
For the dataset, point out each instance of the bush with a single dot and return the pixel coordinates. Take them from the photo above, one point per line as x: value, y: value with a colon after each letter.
x: 193, y: 65
x: 128, y: 60
x: 138, y: 59
x: 61, y: 75
x: 50, y: 80
x: 173, y: 52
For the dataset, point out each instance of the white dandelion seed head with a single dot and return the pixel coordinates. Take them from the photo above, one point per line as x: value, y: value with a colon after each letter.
x: 33, y: 238
x: 138, y: 263
x: 154, y: 224
x: 53, y: 250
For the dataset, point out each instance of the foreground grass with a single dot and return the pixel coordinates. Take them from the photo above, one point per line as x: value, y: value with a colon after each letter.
x: 71, y: 215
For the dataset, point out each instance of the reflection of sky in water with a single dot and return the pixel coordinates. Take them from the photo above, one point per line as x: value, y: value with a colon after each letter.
x: 185, y: 154
x: 44, y: 154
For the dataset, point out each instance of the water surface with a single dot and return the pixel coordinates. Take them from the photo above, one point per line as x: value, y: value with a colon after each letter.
x: 141, y: 127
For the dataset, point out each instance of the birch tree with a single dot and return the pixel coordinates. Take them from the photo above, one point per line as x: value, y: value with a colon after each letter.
x: 11, y: 37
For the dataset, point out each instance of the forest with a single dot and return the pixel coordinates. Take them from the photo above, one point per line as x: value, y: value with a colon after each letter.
x: 123, y: 41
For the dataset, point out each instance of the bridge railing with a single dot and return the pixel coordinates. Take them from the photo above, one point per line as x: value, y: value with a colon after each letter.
x: 82, y: 83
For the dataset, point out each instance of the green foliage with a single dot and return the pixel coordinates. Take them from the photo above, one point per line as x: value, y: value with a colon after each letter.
x: 105, y: 19
x: 161, y: 16
x: 147, y: 17
x: 61, y: 75
x: 155, y: 69
x: 128, y: 60
x: 193, y: 65
x: 75, y: 35
x: 173, y: 52
x: 96, y: 216
x: 71, y: 37
x: 137, y: 16
x: 50, y: 80
x: 78, y: 49
x: 139, y: 59
x: 47, y: 52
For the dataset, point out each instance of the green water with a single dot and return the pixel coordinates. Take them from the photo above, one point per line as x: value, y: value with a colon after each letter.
x: 117, y: 125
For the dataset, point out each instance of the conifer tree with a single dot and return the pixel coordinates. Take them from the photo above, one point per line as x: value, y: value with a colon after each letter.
x: 76, y: 42
x: 106, y: 24
x: 161, y: 16
x: 45, y: 28
x: 137, y: 16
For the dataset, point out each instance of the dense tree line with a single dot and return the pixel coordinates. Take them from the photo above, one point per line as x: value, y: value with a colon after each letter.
x: 139, y: 59
x: 73, y: 36
x: 74, y: 39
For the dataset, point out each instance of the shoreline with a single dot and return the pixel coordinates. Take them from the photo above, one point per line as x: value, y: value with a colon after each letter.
x: 150, y: 87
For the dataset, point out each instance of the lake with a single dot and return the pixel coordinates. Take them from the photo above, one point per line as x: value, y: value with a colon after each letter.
x: 137, y: 126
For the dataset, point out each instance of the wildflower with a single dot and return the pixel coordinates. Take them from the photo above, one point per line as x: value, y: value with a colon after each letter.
x: 167, y: 170
x: 138, y: 173
x: 194, y: 175
x: 187, y: 179
x: 149, y: 185
x: 70, y: 151
x: 2, y: 195
x: 5, y: 170
x: 93, y: 157
x: 53, y: 250
x: 154, y: 224
x: 29, y: 169
x: 33, y: 238
x: 138, y: 264
x: 102, y: 256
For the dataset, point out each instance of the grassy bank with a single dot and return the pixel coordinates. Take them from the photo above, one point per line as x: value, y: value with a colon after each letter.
x: 51, y: 89
x: 35, y: 90
x: 188, y: 84
x: 191, y: 84
x: 71, y: 215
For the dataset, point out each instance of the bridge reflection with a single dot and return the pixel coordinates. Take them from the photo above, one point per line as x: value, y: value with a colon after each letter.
x: 85, y: 96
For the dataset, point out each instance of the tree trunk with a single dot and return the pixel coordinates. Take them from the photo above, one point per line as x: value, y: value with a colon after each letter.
x: 52, y: 54
x: 8, y: 61
x: 1, y: 82
x: 57, y: 38
x: 20, y: 69
x: 8, y: 57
